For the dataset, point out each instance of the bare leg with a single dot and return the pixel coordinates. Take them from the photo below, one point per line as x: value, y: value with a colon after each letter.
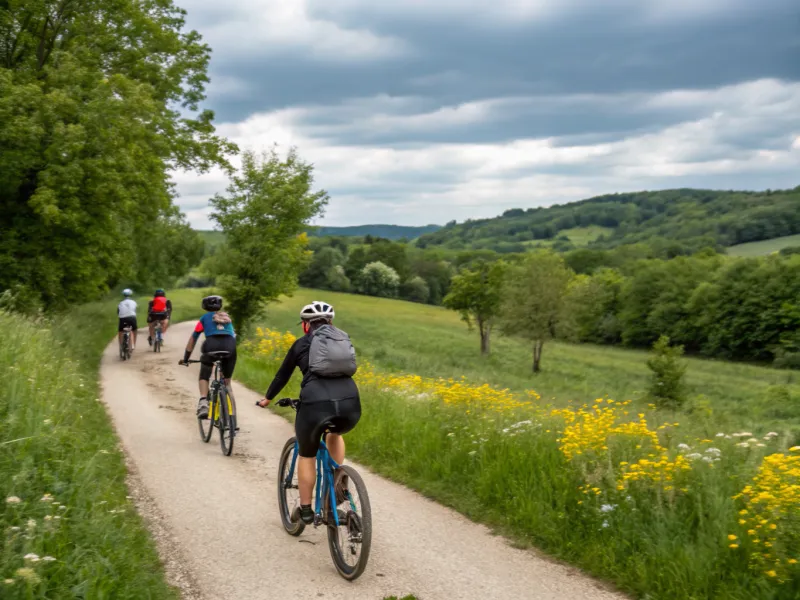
x: 307, y: 477
x: 119, y: 335
x: 164, y: 325
x: 204, y: 388
x: 335, y: 444
x: 152, y: 326
x: 135, y: 337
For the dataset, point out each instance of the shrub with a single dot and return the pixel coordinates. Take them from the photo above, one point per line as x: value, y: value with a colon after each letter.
x: 667, y: 388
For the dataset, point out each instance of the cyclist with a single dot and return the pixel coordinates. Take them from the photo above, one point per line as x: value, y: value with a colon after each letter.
x: 126, y: 311
x: 158, y: 309
x: 220, y: 336
x: 331, y: 403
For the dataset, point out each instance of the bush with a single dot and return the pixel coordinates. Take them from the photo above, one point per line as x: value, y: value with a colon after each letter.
x: 378, y: 279
x: 416, y: 289
x: 667, y: 388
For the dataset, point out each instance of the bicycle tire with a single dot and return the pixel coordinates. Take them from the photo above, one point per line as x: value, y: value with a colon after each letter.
x: 291, y: 528
x: 201, y: 423
x: 345, y: 570
x: 226, y: 425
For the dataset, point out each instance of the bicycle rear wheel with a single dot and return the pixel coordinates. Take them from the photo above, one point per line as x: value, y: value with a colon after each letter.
x: 289, y: 494
x: 227, y: 422
x: 350, y: 543
x: 206, y: 426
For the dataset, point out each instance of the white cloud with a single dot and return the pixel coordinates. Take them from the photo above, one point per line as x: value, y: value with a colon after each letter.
x: 270, y: 28
x: 437, y: 182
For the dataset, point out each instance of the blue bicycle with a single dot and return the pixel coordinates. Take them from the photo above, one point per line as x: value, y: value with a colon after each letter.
x: 159, y: 340
x: 349, y: 525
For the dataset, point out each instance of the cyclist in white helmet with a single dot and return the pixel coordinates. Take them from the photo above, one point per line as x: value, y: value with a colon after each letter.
x: 331, y: 402
x: 126, y: 311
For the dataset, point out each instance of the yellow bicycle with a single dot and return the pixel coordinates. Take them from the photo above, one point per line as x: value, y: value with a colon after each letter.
x: 221, y: 407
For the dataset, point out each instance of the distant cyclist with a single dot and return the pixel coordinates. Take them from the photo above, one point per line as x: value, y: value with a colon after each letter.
x: 126, y: 311
x: 159, y: 310
x: 220, y: 336
x: 325, y: 402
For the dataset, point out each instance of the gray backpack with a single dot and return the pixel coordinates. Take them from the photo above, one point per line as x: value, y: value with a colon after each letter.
x: 332, y: 353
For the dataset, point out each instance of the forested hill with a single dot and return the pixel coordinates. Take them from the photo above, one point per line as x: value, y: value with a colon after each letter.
x: 687, y: 218
x: 388, y: 232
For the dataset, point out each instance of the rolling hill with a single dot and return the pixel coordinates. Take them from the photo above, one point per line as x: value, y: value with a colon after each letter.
x: 389, y: 232
x: 687, y: 219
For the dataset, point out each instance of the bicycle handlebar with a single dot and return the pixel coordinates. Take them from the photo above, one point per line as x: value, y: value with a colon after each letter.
x: 284, y: 402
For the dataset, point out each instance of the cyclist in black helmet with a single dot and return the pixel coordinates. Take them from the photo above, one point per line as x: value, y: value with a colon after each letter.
x: 323, y: 401
x: 220, y: 336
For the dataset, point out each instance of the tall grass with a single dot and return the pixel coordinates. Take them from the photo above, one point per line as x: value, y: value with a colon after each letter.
x: 63, y: 497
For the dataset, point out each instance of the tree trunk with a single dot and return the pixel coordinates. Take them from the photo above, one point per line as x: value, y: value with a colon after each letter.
x: 486, y: 331
x: 537, y: 355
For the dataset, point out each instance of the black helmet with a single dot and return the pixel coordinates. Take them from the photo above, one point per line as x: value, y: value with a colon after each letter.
x: 159, y: 292
x: 212, y: 303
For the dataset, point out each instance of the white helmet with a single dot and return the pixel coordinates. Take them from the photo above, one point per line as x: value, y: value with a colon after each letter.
x: 317, y: 310
x: 127, y: 292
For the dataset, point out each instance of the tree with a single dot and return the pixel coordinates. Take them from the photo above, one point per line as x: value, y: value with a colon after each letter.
x: 416, y: 290
x: 264, y: 215
x: 476, y: 295
x: 322, y: 262
x: 378, y: 279
x: 99, y: 101
x: 533, y: 296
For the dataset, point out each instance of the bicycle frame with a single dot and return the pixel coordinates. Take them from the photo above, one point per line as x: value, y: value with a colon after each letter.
x: 324, y: 483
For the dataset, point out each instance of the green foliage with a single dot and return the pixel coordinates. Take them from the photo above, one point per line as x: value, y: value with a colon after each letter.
x: 477, y: 296
x: 378, y: 279
x: 264, y: 214
x: 99, y: 100
x: 416, y: 290
x: 671, y: 222
x: 533, y: 298
x: 667, y: 388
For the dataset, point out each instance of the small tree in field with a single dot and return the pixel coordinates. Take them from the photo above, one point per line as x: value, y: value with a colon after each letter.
x: 533, y: 296
x: 476, y: 295
x: 666, y: 385
x: 264, y: 214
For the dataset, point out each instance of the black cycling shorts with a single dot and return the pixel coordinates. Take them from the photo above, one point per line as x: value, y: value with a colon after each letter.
x: 162, y: 316
x: 313, y: 418
x: 127, y: 322
x: 218, y: 343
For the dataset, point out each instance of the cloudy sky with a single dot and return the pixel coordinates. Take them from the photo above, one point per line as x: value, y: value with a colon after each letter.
x: 424, y: 111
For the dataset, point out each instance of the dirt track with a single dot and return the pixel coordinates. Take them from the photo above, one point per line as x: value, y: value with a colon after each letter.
x: 217, y: 523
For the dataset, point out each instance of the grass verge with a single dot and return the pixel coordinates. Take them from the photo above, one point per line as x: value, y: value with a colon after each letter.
x: 62, y: 474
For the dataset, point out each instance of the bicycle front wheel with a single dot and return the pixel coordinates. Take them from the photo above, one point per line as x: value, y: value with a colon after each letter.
x: 206, y: 426
x: 351, y: 541
x: 289, y: 489
x: 227, y: 422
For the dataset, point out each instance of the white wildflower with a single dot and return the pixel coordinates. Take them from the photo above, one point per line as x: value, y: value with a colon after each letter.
x: 605, y: 524
x: 684, y: 447
x: 13, y: 500
x: 472, y: 453
x: 693, y: 456
x: 752, y: 441
x: 62, y: 507
x: 761, y: 445
x: 607, y: 508
x: 47, y: 498
x: 720, y: 435
x: 47, y: 421
x: 451, y: 434
x: 714, y: 451
x: 15, y: 528
x: 32, y: 557
x: 708, y: 459
x: 743, y: 445
x: 31, y: 524
x: 8, y: 581
x: 48, y: 559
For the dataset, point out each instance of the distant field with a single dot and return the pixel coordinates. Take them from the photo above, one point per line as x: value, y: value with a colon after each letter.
x: 579, y: 236
x: 764, y: 247
x: 431, y: 341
